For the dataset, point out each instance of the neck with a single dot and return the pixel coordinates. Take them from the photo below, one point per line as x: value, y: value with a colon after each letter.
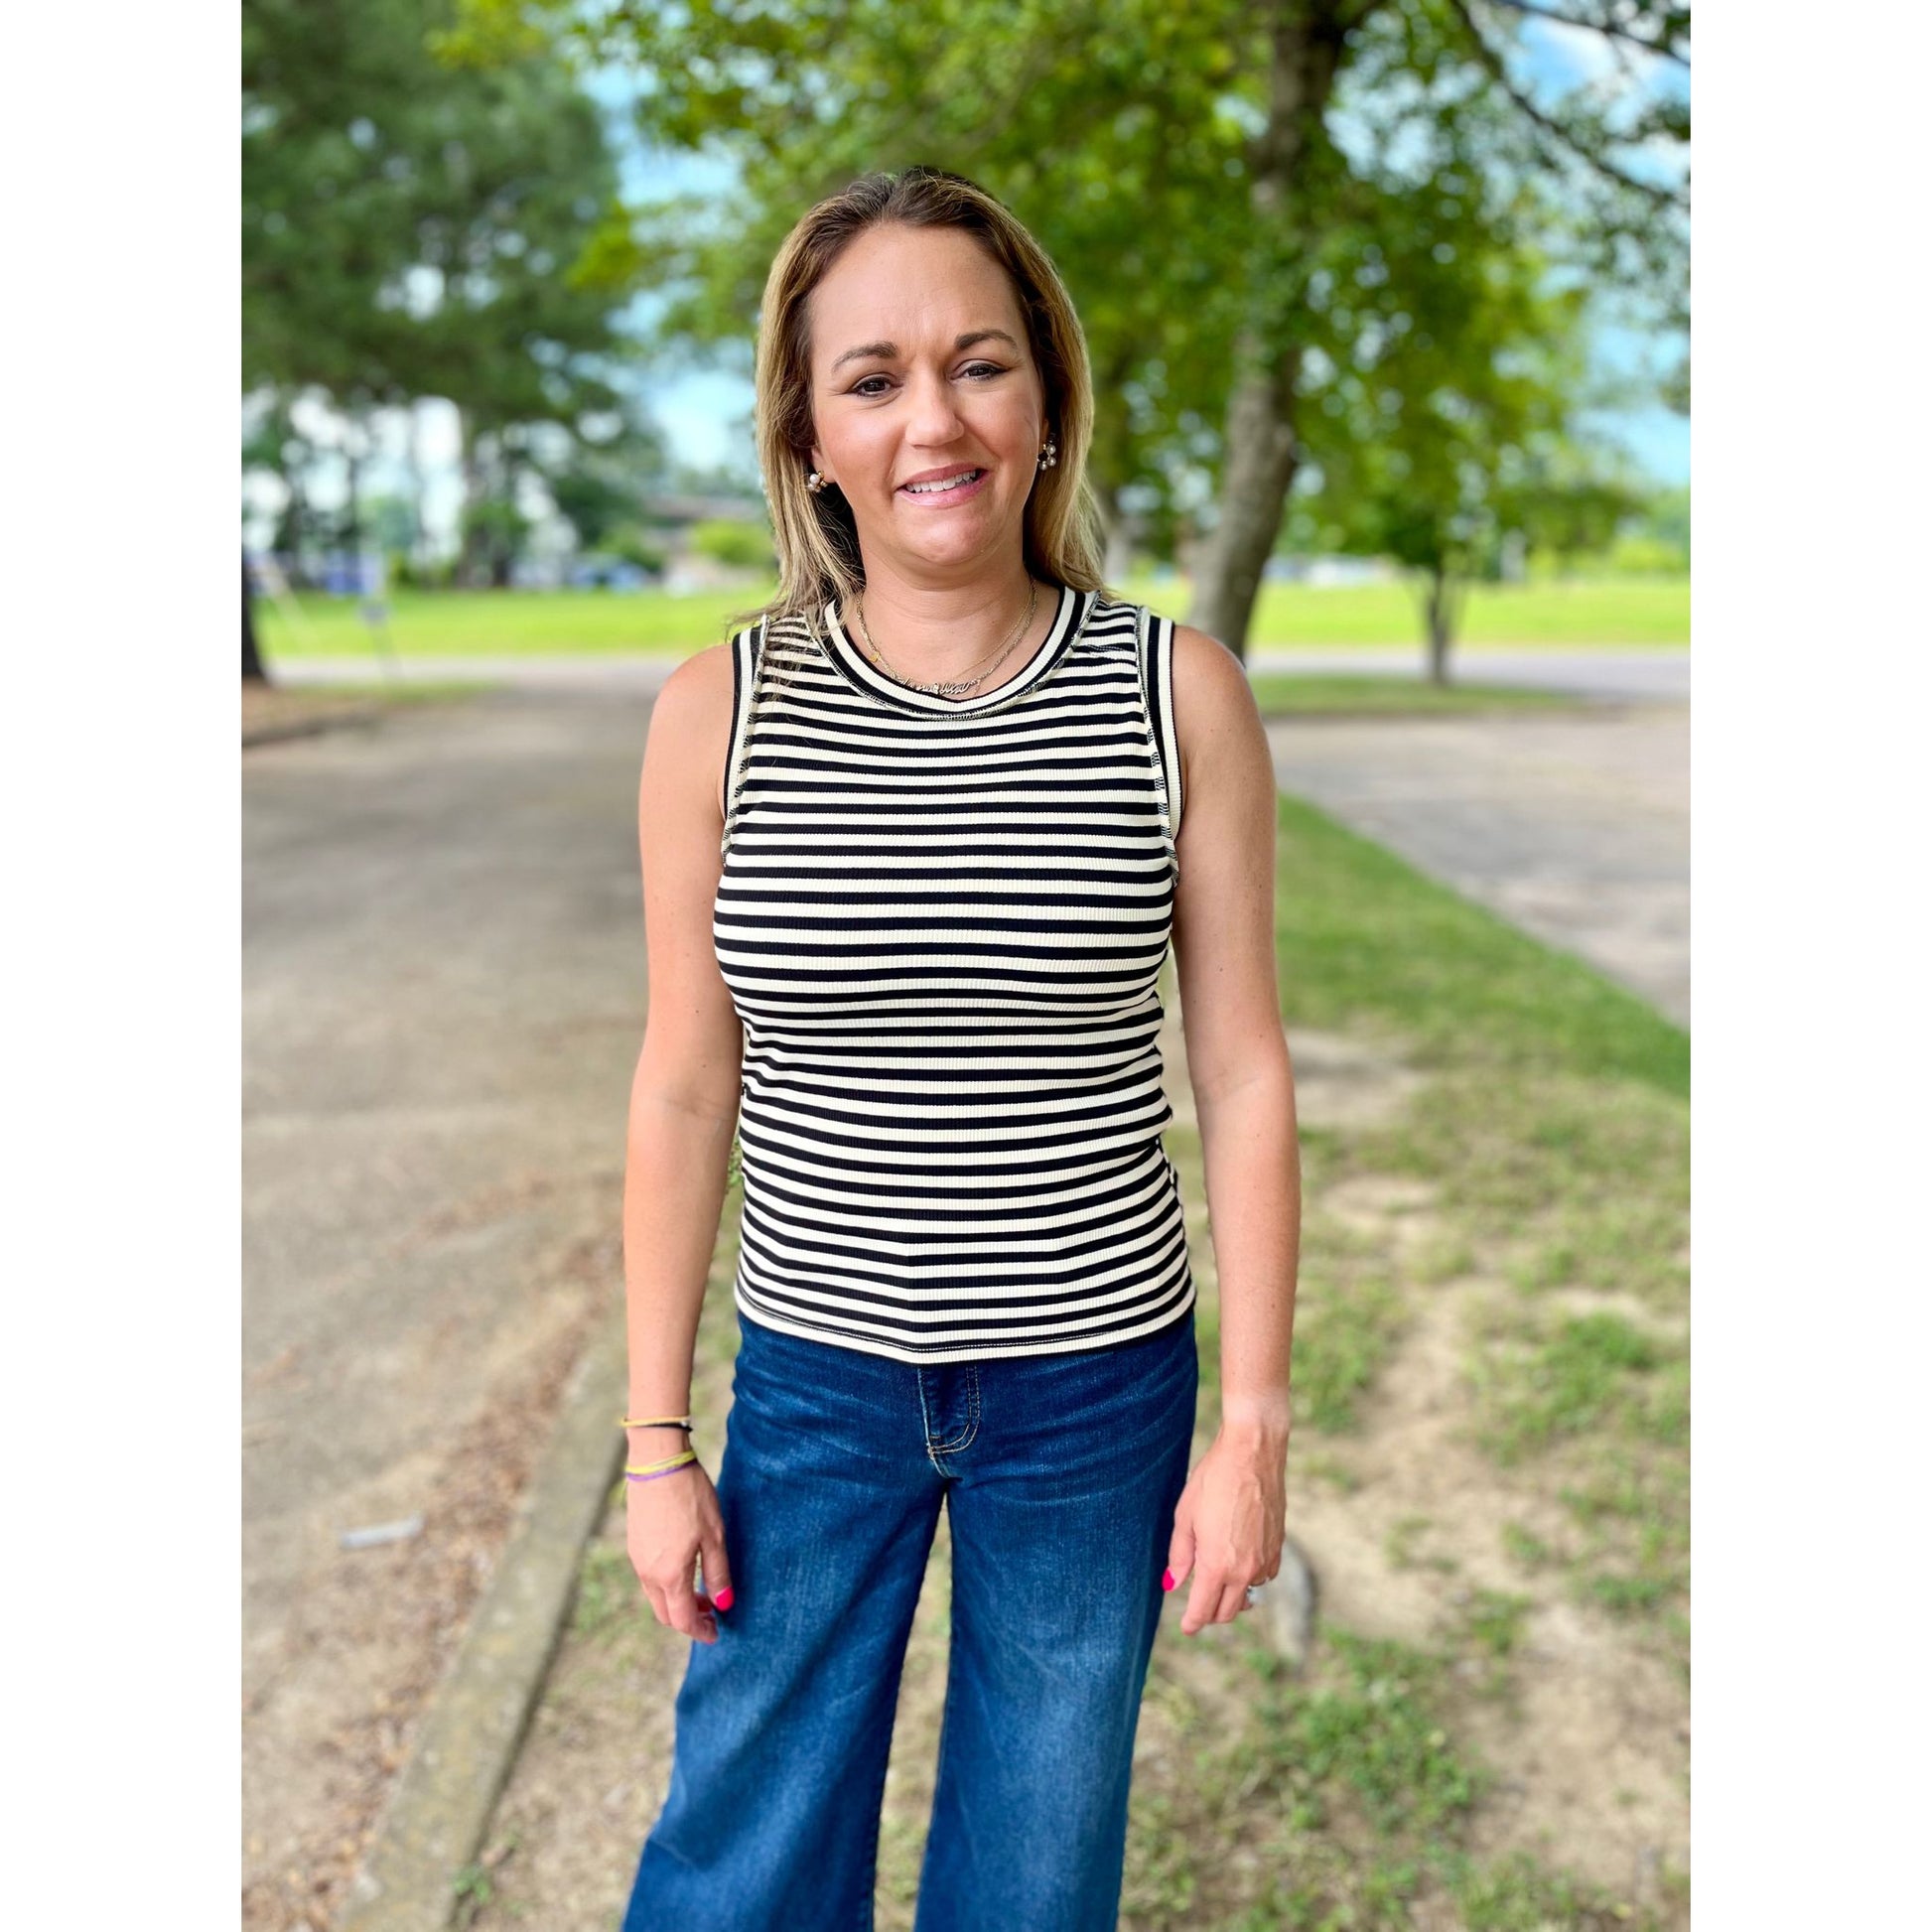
x: 934, y: 632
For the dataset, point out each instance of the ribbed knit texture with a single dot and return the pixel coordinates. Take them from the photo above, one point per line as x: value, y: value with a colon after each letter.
x: 942, y: 922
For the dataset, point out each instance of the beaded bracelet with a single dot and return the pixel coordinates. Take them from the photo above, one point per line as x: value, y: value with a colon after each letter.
x: 651, y: 1470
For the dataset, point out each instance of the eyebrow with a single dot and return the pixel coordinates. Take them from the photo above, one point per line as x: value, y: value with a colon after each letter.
x: 887, y: 351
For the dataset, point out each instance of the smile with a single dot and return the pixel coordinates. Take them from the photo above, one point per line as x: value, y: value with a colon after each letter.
x: 953, y: 490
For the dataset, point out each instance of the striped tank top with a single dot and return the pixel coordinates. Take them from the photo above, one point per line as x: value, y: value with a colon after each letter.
x: 941, y: 923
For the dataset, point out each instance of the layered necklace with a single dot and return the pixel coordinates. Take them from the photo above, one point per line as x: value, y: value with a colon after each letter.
x: 952, y: 687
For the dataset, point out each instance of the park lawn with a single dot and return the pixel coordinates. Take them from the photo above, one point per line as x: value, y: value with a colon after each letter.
x: 1489, y: 1468
x: 1306, y: 694
x: 1622, y: 611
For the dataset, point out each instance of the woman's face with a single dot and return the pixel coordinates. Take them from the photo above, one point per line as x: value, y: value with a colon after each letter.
x: 898, y: 391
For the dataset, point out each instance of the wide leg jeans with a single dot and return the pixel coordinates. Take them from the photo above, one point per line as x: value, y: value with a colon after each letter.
x: 1059, y: 1474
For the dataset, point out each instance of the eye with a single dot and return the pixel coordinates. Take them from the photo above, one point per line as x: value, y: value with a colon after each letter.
x: 979, y: 371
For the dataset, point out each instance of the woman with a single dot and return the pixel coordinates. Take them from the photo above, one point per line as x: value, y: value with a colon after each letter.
x: 963, y: 799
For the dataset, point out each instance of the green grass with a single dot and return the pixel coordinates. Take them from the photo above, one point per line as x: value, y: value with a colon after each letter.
x: 1365, y: 942
x: 1577, y: 1375
x: 1339, y: 1344
x: 1602, y: 610
x: 1614, y: 610
x: 1555, y: 1133
x: 1286, y: 695
x: 1344, y: 1803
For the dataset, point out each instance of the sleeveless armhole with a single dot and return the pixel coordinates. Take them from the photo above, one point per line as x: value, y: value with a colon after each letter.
x: 744, y: 659
x: 1157, y: 688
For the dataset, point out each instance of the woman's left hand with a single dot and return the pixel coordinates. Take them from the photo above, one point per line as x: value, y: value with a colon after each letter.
x: 1228, y: 1526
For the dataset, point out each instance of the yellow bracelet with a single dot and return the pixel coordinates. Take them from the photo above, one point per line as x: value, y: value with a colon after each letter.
x: 646, y: 1422
x: 658, y: 1469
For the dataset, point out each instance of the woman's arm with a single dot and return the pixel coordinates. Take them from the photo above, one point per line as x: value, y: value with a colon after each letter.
x: 1244, y: 1099
x: 683, y: 1113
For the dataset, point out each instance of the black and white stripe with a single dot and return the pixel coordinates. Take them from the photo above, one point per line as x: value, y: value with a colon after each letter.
x: 941, y: 923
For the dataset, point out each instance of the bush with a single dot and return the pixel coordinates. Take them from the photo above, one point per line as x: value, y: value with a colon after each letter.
x: 737, y: 546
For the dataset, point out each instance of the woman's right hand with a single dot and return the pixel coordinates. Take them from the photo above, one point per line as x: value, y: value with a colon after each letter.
x: 671, y: 1523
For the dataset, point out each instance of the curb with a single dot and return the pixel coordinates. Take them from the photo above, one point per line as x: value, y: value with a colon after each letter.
x: 437, y: 1817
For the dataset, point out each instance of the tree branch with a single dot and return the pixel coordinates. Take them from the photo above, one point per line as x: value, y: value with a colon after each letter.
x: 1348, y: 23
x: 1554, y: 129
x: 1608, y: 29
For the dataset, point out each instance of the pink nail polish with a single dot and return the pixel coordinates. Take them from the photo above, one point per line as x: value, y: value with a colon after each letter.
x: 723, y: 1600
x: 1167, y: 1579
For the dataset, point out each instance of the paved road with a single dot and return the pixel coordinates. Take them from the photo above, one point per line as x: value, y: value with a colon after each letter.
x: 1662, y: 672
x: 1576, y: 828
x: 443, y: 1000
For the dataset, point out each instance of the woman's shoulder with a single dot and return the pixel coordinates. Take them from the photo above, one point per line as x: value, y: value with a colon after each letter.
x: 696, y: 681
x: 1214, y: 704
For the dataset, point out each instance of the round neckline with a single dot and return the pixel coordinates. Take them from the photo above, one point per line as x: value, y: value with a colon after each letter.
x: 1068, y: 620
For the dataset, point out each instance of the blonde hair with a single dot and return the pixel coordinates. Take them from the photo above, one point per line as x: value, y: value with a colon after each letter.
x: 816, y: 538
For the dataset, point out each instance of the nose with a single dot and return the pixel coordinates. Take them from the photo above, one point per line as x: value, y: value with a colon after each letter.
x: 934, y: 416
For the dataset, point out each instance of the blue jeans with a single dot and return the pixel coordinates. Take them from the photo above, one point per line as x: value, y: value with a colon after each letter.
x: 1061, y: 1474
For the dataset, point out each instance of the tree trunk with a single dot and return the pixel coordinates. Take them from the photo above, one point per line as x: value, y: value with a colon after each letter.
x: 1307, y: 38
x: 251, y: 657
x: 472, y: 565
x: 1437, y: 602
x: 1118, y: 563
x: 291, y: 527
x: 418, y: 489
x: 355, y: 452
x: 1262, y: 456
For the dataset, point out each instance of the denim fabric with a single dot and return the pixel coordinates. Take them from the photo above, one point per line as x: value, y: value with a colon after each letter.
x: 1061, y: 1474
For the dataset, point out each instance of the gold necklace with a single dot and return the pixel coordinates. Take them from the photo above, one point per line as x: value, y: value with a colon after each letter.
x: 950, y: 687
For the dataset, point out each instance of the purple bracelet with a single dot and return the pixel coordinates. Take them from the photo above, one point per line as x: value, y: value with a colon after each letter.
x: 653, y: 1476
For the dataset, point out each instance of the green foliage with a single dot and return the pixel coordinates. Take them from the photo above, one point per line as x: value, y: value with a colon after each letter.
x: 409, y: 230
x: 600, y: 486
x: 414, y: 230
x: 1136, y: 143
x: 739, y: 546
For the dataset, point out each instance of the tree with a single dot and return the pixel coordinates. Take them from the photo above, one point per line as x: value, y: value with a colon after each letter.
x: 1441, y: 381
x: 1185, y: 167
x: 412, y: 230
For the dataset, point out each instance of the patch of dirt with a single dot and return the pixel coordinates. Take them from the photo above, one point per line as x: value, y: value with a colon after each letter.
x: 1338, y: 1081
x: 271, y: 712
x: 329, y: 1729
x: 1595, y: 1757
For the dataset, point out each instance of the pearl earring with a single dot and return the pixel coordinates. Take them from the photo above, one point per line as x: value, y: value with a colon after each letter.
x: 1050, y: 454
x: 814, y: 483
